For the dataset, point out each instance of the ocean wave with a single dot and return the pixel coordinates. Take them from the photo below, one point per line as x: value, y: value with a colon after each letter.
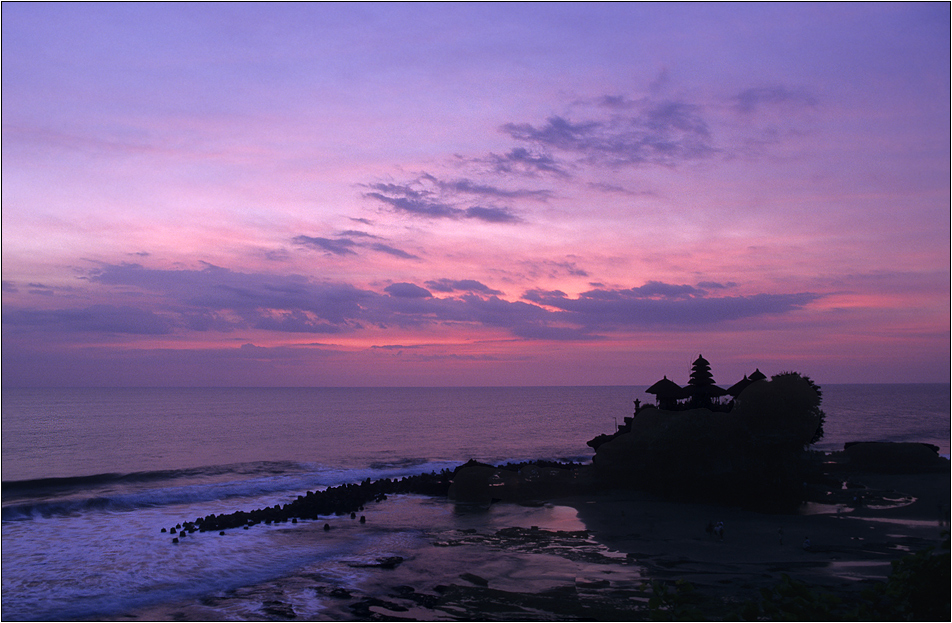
x: 398, y: 463
x: 59, y: 497
x: 13, y: 489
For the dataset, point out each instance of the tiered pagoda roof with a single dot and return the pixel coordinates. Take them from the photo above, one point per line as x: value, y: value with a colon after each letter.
x: 701, y: 385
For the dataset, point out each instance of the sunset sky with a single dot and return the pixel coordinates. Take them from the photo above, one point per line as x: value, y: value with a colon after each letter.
x: 474, y: 194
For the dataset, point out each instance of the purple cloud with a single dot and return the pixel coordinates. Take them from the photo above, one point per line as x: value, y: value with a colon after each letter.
x: 192, y: 293
x: 522, y: 161
x: 215, y: 298
x: 467, y: 186
x: 716, y: 285
x: 108, y: 319
x: 460, y: 285
x: 418, y: 206
x: 354, y: 233
x: 340, y: 246
x: 655, y: 289
x: 556, y: 269
x: 385, y: 248
x: 491, y: 215
x: 664, y: 133
x: 407, y: 290
x: 295, y: 321
x: 407, y: 198
x: 659, y: 304
x: 749, y: 100
x: 345, y: 245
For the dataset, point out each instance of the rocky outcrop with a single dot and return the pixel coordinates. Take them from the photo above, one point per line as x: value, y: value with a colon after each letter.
x: 894, y: 458
x: 471, y: 483
x: 751, y: 453
x: 480, y: 484
x: 341, y: 500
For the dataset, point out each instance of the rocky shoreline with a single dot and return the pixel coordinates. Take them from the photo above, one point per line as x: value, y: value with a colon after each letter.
x: 610, y: 554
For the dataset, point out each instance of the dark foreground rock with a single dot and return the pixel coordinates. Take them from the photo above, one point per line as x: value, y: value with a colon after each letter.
x: 481, y: 484
x: 345, y: 499
x: 894, y: 458
x: 473, y: 482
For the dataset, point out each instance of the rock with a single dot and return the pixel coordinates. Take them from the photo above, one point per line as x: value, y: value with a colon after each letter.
x: 474, y: 579
x: 389, y: 562
x: 733, y: 457
x: 362, y: 609
x: 895, y: 458
x: 481, y: 484
x: 524, y: 483
x: 279, y: 609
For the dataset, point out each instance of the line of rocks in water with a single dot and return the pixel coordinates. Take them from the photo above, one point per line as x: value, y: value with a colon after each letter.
x: 339, y: 500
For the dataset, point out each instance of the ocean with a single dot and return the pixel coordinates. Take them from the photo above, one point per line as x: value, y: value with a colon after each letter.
x: 91, y: 476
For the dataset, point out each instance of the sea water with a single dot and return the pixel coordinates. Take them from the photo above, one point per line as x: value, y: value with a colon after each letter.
x: 91, y: 476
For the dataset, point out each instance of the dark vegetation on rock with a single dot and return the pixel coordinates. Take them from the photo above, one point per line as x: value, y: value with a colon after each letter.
x: 916, y: 590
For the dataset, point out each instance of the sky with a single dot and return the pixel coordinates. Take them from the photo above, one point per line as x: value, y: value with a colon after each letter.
x: 474, y: 194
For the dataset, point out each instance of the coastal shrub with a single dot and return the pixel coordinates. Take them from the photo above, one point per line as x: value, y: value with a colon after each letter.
x: 677, y: 602
x: 918, y: 587
x: 793, y: 600
x: 783, y: 412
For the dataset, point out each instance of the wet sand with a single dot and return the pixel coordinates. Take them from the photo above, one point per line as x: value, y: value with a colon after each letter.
x: 847, y: 545
x: 586, y: 557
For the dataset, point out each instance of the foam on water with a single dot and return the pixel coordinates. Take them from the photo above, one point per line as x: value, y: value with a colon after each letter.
x: 85, y: 551
x: 91, y: 562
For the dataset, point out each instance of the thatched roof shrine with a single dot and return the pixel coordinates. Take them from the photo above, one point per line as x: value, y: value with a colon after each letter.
x: 665, y: 388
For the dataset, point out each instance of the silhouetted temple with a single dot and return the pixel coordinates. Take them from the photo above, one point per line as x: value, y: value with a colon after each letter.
x: 700, y: 392
x: 735, y: 389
